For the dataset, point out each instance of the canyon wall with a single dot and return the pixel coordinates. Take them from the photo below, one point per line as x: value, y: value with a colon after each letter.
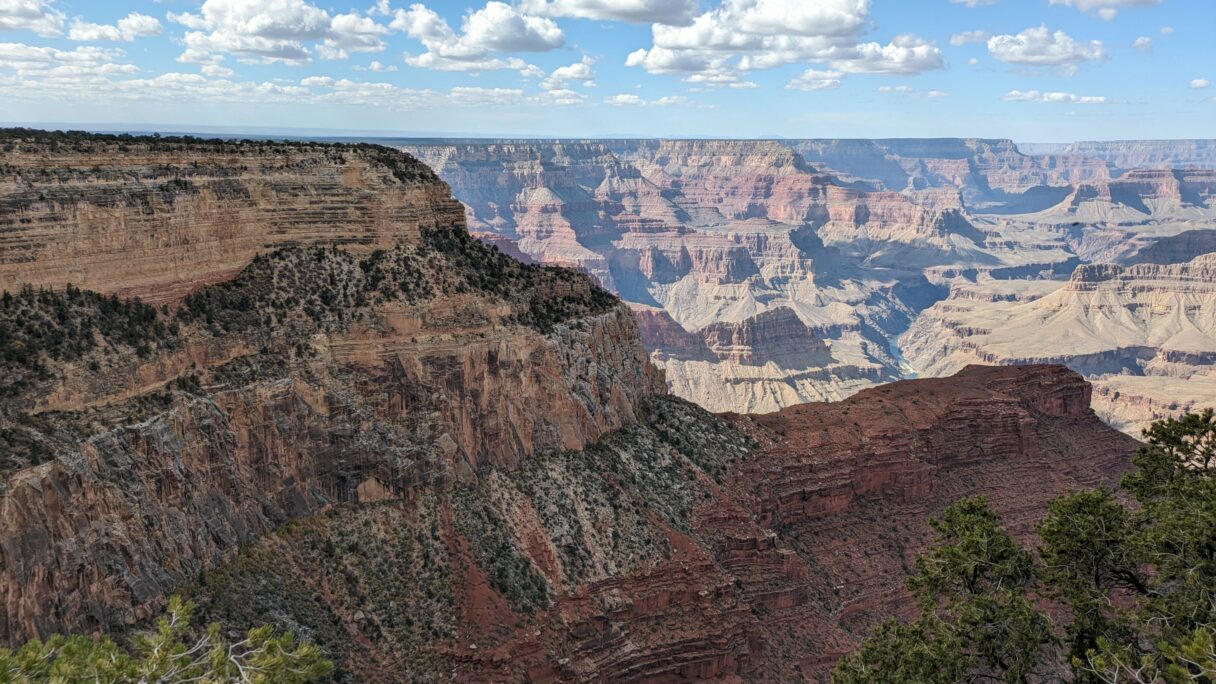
x: 158, y: 218
x: 686, y: 547
x: 1145, y: 334
x: 857, y: 238
x: 722, y: 233
x: 139, y: 456
x: 437, y: 462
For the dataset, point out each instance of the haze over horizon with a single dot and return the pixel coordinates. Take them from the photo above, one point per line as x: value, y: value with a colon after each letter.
x: 1045, y: 71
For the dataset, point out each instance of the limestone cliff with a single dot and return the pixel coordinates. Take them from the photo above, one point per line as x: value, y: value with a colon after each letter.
x: 1145, y: 334
x: 686, y: 547
x: 157, y: 218
x: 437, y: 462
x: 151, y: 448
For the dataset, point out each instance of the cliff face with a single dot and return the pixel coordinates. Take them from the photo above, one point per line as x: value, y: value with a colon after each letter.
x: 686, y: 547
x: 156, y: 219
x: 985, y: 172
x: 857, y: 238
x: 139, y: 456
x: 1143, y: 333
x: 1134, y: 154
x: 435, y: 461
x: 722, y: 233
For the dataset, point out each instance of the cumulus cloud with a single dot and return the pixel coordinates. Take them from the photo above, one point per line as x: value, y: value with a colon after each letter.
x: 969, y: 37
x: 33, y: 63
x: 973, y: 3
x: 1200, y: 83
x: 1106, y: 9
x: 31, y: 15
x: 913, y: 92
x: 274, y: 31
x: 579, y: 71
x: 718, y: 47
x: 497, y: 27
x: 100, y: 75
x: 631, y: 100
x: 127, y: 29
x: 1053, y: 97
x: 639, y: 11
x: 1041, y: 47
x: 814, y: 79
x: 376, y: 66
x: 1143, y: 44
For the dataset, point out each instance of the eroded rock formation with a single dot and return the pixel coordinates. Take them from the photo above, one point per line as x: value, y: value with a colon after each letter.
x: 1149, y: 330
x: 856, y: 237
x: 437, y: 462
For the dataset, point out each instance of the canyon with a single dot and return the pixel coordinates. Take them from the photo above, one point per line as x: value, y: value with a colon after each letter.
x: 318, y: 402
x: 853, y: 256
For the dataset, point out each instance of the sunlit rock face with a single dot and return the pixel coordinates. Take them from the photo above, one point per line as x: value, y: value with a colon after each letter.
x: 857, y: 238
x: 426, y: 457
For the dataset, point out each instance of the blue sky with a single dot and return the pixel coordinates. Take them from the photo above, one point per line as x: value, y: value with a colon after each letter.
x: 1031, y: 70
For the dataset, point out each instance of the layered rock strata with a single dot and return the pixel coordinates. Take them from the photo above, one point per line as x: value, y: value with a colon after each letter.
x: 436, y: 462
x: 1115, y: 324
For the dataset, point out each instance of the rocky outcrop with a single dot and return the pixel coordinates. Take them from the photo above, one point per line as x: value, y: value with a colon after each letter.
x: 314, y: 377
x: 158, y: 218
x: 687, y: 547
x: 1135, y: 154
x: 1140, y: 195
x: 775, y: 336
x: 1109, y: 322
x: 437, y: 462
x: 1176, y: 249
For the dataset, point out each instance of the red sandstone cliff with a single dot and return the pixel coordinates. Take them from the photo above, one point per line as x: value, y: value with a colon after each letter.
x: 436, y: 462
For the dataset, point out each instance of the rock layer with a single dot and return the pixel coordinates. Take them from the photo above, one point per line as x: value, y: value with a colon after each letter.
x: 158, y: 218
x: 647, y: 559
x: 436, y: 462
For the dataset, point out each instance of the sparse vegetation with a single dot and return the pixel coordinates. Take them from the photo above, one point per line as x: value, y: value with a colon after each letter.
x: 1136, y: 584
x: 172, y: 653
x: 507, y: 568
x: 38, y: 327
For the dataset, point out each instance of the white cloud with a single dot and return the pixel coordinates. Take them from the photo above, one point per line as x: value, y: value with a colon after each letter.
x: 973, y: 3
x: 1105, y: 9
x: 274, y: 31
x: 561, y: 76
x: 1041, y: 47
x: 913, y: 92
x: 1200, y: 83
x: 564, y: 97
x: 969, y: 37
x: 99, y: 75
x: 497, y: 27
x: 31, y: 15
x: 1143, y: 44
x: 127, y: 29
x: 639, y: 11
x: 1167, y: 30
x: 631, y: 100
x: 85, y: 62
x: 739, y: 36
x: 376, y: 66
x: 813, y: 79
x: 907, y: 54
x: 1053, y: 97
x: 216, y: 70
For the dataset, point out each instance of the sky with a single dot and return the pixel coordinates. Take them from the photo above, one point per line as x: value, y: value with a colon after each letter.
x: 1030, y: 70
